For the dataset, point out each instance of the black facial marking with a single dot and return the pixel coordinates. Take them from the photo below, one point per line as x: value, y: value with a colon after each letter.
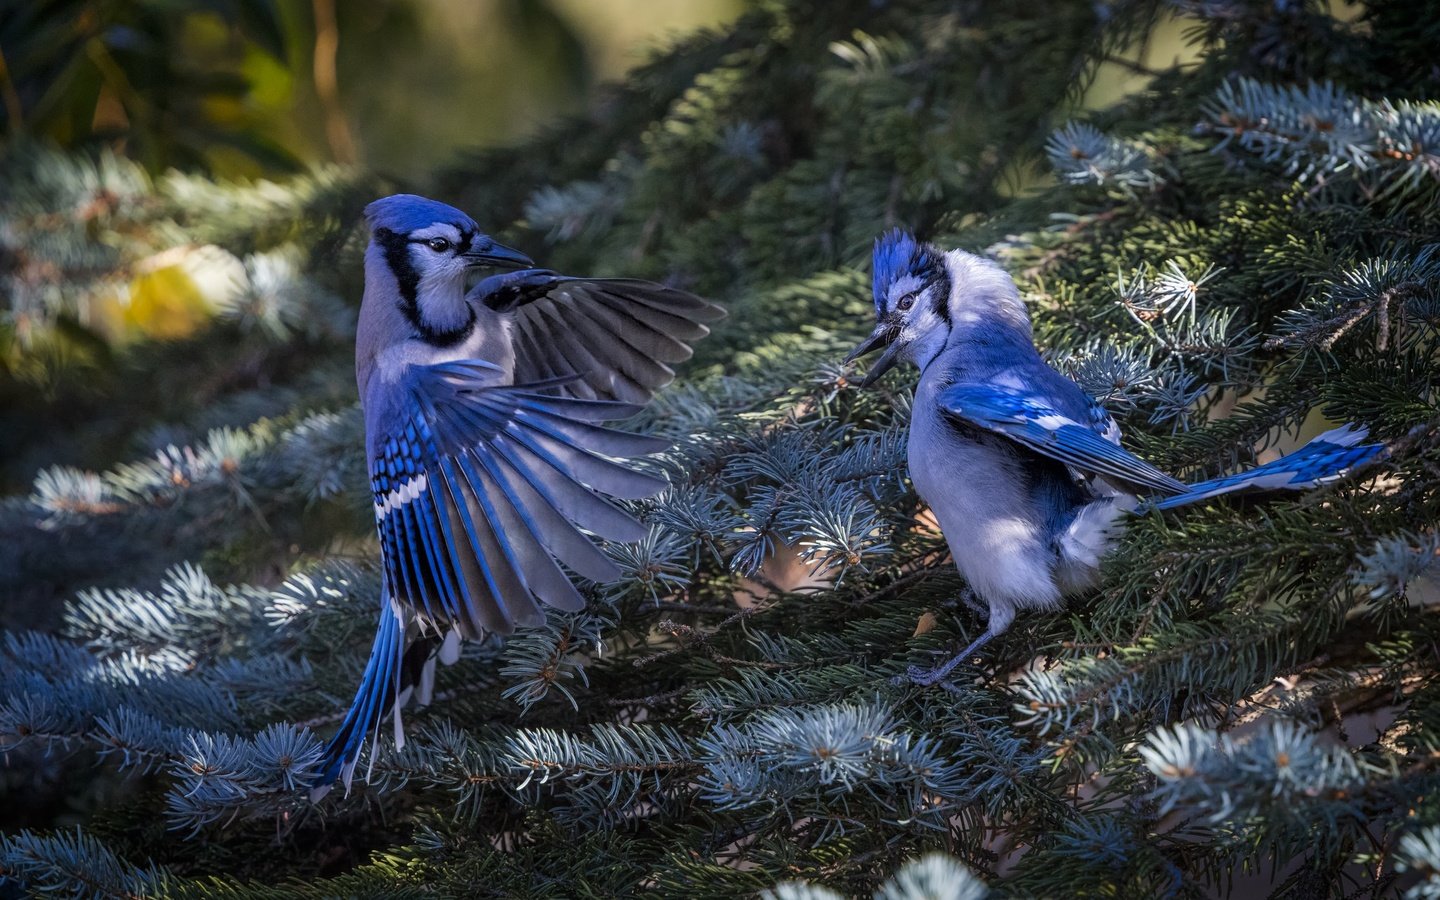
x: 397, y: 257
x: 939, y: 282
x: 928, y: 265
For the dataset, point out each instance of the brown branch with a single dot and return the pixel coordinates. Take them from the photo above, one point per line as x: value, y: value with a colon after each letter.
x: 327, y: 83
x: 1325, y: 334
x: 13, y: 110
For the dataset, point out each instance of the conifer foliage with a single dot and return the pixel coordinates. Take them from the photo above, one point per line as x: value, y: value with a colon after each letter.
x: 1227, y: 259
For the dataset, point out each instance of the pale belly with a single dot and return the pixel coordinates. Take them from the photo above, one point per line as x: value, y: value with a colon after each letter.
x: 982, y: 501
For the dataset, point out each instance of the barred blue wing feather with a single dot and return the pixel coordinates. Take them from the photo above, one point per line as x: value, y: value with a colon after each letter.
x: 1326, y: 458
x: 491, y: 482
x: 1034, y: 423
x: 1102, y: 423
x: 481, y: 491
x: 612, y: 338
x: 1022, y: 470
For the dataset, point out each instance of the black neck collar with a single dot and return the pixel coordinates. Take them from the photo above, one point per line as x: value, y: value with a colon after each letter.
x: 397, y: 256
x: 939, y: 277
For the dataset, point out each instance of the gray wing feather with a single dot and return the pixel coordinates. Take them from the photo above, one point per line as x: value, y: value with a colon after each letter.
x: 619, y: 335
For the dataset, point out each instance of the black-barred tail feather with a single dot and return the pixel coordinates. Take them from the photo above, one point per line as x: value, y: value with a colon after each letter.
x: 392, y: 671
x: 1328, y: 457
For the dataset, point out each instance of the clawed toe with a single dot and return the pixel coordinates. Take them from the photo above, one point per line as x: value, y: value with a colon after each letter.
x: 924, y: 677
x: 930, y: 677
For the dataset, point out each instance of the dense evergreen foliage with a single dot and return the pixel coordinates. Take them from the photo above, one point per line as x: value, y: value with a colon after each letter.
x: 1228, y: 259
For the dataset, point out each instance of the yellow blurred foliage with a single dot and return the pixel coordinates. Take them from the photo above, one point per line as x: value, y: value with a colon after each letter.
x: 159, y: 304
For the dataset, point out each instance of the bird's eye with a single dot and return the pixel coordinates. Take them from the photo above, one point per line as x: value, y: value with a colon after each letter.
x: 438, y: 244
x: 906, y: 301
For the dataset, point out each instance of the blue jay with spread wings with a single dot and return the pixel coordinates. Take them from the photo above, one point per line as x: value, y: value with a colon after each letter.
x: 1023, y: 471
x: 488, y: 463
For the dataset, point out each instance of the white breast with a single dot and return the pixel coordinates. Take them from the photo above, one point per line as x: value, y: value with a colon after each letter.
x: 980, y: 498
x: 490, y: 342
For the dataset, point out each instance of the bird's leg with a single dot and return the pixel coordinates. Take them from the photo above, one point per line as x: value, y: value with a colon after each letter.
x: 973, y: 602
x: 928, y: 677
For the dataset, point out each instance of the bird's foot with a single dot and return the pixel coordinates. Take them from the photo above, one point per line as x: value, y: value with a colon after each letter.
x: 924, y: 677
x: 968, y: 599
x: 929, y: 677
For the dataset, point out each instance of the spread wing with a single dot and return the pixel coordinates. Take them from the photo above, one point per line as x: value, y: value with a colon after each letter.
x: 1035, y: 424
x: 620, y: 336
x: 479, y: 490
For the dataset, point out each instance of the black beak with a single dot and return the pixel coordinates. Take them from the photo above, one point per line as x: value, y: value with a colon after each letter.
x: 486, y: 252
x: 884, y: 335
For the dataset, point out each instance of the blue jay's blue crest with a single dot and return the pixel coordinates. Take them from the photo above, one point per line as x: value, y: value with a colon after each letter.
x: 897, y: 253
x: 489, y: 465
x: 404, y: 213
x: 1022, y: 470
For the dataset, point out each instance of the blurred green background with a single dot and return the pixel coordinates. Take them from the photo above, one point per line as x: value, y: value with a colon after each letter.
x: 250, y: 87
x: 400, y: 93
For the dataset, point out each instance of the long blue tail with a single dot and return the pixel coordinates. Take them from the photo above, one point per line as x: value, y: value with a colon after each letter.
x: 379, y: 687
x: 1324, y: 459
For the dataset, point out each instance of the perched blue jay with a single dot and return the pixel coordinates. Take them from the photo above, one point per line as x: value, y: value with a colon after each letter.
x: 1024, y: 471
x: 485, y: 458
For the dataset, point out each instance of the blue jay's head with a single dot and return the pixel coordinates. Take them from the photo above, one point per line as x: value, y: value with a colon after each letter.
x: 430, y: 248
x: 912, y: 300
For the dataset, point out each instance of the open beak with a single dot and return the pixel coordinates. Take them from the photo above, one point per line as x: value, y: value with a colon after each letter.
x: 884, y: 335
x: 499, y: 256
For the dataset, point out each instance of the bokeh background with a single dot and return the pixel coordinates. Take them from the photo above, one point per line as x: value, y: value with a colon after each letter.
x: 251, y: 87
x: 187, y: 549
x: 411, y: 92
x: 232, y: 92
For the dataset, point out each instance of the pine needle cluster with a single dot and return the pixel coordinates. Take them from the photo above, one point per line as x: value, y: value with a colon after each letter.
x: 1228, y: 259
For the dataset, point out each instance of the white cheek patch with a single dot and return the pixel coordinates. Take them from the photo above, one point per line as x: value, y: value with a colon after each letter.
x: 403, y: 494
x: 436, y: 268
x: 441, y: 290
x: 925, y: 333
